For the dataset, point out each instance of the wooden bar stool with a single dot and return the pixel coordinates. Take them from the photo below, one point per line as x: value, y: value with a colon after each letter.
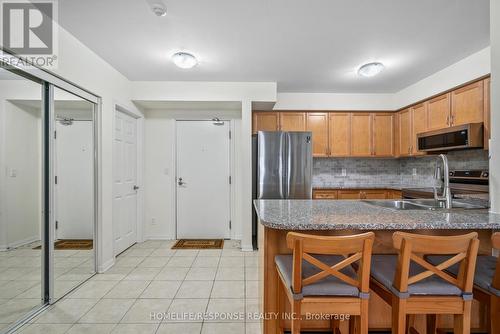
x: 412, y: 285
x: 318, y: 277
x: 486, y: 282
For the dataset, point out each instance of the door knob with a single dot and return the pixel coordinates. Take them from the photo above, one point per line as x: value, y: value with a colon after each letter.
x: 180, y: 182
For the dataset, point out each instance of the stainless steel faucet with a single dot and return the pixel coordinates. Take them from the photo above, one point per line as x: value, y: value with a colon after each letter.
x: 446, y: 195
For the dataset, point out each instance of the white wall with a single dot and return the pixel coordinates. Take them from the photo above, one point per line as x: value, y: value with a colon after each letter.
x: 495, y: 106
x: 21, y: 175
x: 159, y: 168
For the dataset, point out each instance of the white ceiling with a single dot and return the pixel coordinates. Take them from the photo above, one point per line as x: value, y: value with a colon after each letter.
x: 304, y: 45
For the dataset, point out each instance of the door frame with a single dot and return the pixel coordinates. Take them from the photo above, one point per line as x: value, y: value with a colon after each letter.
x: 232, y: 201
x: 139, y: 117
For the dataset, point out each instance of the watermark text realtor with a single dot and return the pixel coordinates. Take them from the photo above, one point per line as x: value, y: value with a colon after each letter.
x: 28, y: 30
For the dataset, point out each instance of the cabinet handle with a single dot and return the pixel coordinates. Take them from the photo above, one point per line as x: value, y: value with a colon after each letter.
x: 452, y: 121
x: 448, y: 120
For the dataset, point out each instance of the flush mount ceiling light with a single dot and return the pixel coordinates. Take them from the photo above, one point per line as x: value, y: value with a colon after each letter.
x: 184, y: 60
x: 158, y: 8
x: 370, y: 69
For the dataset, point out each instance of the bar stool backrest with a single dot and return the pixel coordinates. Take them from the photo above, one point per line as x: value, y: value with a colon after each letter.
x: 355, y: 248
x: 495, y: 242
x: 413, y: 247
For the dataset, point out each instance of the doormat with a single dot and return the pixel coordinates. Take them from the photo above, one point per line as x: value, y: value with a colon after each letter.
x: 72, y: 244
x: 199, y: 244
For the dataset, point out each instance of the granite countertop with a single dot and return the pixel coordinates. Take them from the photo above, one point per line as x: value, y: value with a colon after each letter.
x: 371, y: 186
x: 358, y: 215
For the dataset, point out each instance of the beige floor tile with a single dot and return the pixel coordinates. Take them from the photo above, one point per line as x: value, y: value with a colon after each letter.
x: 186, y: 252
x: 14, y: 309
x: 206, y: 262
x: 135, y: 329
x: 232, y: 253
x: 223, y: 328
x: 141, y: 311
x: 253, y: 328
x: 179, y: 328
x: 251, y: 274
x: 228, y: 289
x: 226, y: 306
x: 124, y: 261
x: 210, y: 252
x: 93, y: 289
x: 161, y: 289
x: 91, y: 329
x: 127, y: 289
x: 230, y: 274
x: 251, y: 261
x: 232, y: 262
x: 181, y: 261
x: 201, y: 274
x: 66, y: 311
x: 142, y: 274
x: 252, y: 289
x: 154, y: 262
x: 182, y: 306
x: 45, y: 329
x: 107, y: 311
x: 152, y: 244
x: 195, y: 289
x: 163, y: 252
x: 141, y: 252
x: 252, y: 308
x: 172, y: 274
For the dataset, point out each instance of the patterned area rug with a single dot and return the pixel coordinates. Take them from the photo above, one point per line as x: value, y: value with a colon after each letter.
x: 199, y: 244
x: 72, y: 244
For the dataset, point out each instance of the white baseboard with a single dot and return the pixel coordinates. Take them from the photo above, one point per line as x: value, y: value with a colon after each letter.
x: 247, y: 248
x: 105, y: 266
x: 19, y: 243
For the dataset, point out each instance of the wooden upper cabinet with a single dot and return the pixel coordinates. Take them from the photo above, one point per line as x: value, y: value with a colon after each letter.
x: 405, y: 132
x: 265, y: 121
x: 467, y: 104
x: 361, y: 134
x: 396, y: 141
x: 487, y: 112
x: 383, y: 134
x: 438, y: 112
x: 292, y: 121
x: 419, y: 125
x: 340, y: 134
x: 317, y: 123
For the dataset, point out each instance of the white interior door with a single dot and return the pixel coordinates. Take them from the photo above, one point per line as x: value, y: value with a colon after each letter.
x: 203, y: 189
x: 124, y: 182
x: 75, y: 181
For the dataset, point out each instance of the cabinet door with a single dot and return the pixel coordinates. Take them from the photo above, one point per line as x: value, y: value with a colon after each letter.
x: 340, y: 134
x: 324, y: 194
x: 487, y: 113
x: 419, y: 124
x: 265, y: 121
x: 349, y: 194
x: 467, y: 104
x: 361, y: 135
x: 292, y: 121
x: 396, y: 141
x: 405, y: 132
x: 394, y: 194
x: 374, y: 194
x: 383, y: 135
x: 438, y: 111
x: 317, y: 123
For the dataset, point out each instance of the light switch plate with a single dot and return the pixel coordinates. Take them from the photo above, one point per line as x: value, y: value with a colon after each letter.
x: 344, y: 172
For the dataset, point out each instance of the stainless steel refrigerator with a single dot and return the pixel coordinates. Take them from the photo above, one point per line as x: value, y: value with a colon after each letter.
x: 282, y: 167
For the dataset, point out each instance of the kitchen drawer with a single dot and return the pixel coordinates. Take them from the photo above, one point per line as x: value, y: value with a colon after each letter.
x: 325, y: 194
x: 349, y: 194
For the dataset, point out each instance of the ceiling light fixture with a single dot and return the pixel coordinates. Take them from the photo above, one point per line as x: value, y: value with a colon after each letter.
x: 184, y: 60
x: 370, y: 69
x: 159, y: 8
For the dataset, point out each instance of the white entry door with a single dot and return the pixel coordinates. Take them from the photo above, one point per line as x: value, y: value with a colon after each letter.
x: 203, y: 176
x: 75, y: 181
x: 124, y: 182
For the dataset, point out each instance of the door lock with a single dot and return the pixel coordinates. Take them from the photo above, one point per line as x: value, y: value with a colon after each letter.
x: 136, y: 187
x: 180, y: 182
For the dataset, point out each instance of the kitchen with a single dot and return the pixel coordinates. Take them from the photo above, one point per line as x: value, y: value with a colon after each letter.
x: 429, y: 156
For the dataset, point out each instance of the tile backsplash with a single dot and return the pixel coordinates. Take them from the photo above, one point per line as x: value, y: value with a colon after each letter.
x: 403, y: 172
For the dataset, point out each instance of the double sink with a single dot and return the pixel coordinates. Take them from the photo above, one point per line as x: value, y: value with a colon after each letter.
x: 422, y: 204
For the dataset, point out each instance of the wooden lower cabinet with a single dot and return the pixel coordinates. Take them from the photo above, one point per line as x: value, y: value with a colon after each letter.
x: 356, y: 194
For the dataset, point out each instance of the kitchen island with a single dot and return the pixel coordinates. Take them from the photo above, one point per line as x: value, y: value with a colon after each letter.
x: 278, y: 217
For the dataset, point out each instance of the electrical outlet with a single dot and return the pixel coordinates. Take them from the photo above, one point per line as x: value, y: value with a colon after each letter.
x: 153, y: 221
x: 13, y: 172
x: 414, y: 172
x: 344, y: 172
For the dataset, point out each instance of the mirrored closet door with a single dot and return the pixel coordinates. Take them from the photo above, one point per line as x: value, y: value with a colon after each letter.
x: 21, y: 200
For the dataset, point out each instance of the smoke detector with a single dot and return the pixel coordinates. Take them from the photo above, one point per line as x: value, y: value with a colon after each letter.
x: 159, y: 8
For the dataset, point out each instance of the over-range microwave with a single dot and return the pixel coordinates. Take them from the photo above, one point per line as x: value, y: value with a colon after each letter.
x: 452, y: 138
